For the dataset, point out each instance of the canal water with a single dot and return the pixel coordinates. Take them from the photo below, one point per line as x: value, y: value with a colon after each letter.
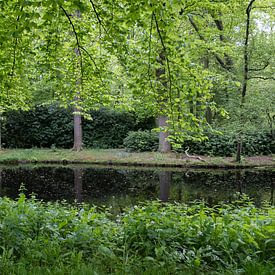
x: 121, y: 187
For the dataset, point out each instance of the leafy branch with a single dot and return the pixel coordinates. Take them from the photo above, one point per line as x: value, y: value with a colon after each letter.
x: 15, y: 45
x: 218, y: 58
x: 78, y: 50
x: 168, y: 65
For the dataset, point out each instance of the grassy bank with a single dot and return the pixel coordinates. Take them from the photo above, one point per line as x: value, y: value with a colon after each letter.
x: 121, y: 157
x: 40, y: 238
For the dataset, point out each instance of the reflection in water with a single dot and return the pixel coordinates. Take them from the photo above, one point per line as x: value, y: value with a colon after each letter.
x: 238, y: 176
x: 78, y: 174
x: 165, y: 179
x: 0, y: 182
x: 125, y: 187
x: 272, y: 193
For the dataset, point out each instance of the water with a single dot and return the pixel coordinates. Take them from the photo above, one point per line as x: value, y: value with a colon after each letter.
x: 120, y: 187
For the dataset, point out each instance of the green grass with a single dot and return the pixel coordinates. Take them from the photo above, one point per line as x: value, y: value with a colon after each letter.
x: 120, y: 157
x: 154, y: 238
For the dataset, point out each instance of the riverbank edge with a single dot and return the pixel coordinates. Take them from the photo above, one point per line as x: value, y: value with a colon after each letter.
x: 118, y: 157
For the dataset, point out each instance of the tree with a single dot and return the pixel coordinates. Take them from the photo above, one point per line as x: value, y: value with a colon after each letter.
x: 172, y: 71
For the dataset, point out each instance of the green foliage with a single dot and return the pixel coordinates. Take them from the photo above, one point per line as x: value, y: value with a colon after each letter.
x: 49, y: 125
x: 108, y: 128
x: 259, y: 143
x: 52, y: 237
x: 141, y: 141
x: 39, y: 127
x: 225, y: 144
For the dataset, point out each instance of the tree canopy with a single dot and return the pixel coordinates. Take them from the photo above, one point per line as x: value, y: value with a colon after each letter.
x: 180, y: 59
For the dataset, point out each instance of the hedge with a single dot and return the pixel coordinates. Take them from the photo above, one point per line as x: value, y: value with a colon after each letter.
x: 47, y: 126
x: 217, y: 145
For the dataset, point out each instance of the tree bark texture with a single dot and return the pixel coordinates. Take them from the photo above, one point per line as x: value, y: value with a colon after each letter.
x: 164, y: 144
x: 77, y: 116
x: 239, y: 150
x: 77, y: 130
x: 246, y: 58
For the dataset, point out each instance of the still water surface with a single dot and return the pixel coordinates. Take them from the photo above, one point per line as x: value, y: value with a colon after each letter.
x: 120, y: 187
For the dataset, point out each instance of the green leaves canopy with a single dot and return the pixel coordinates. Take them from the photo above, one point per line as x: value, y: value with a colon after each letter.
x: 109, y: 52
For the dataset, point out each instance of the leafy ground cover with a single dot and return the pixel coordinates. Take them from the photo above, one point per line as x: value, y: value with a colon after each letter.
x: 154, y: 238
x: 122, y: 157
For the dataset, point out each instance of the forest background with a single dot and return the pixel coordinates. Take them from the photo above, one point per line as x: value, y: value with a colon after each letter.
x: 90, y: 73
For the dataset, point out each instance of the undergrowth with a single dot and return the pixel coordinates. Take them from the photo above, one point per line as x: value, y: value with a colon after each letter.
x: 154, y: 238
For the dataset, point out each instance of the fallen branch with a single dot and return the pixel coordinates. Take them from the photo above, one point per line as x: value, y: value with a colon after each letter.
x: 193, y: 157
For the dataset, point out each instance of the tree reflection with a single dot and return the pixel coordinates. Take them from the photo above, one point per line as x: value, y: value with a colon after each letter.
x: 272, y: 193
x: 165, y: 179
x: 78, y: 175
x: 1, y: 182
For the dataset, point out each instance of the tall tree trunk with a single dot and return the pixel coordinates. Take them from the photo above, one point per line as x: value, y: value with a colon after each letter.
x: 77, y: 130
x: 239, y: 149
x: 77, y: 116
x: 164, y: 144
x: 246, y: 58
x: 245, y: 75
x: 208, y: 112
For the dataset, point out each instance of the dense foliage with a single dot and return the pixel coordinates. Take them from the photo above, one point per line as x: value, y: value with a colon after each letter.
x: 259, y: 143
x: 55, y: 237
x: 193, y: 63
x: 141, y: 141
x: 49, y: 125
x: 224, y: 144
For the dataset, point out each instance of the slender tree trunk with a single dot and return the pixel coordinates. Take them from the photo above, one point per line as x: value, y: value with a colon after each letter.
x: 239, y: 149
x: 77, y: 130
x: 165, y: 179
x: 78, y: 142
x: 245, y: 75
x: 208, y: 112
x: 77, y: 116
x: 164, y: 144
x: 246, y: 58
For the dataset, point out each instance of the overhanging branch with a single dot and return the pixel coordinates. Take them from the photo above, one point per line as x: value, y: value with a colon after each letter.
x: 218, y: 58
x: 97, y: 16
x: 77, y: 39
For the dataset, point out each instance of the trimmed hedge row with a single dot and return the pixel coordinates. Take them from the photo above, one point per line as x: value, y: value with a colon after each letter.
x: 216, y: 145
x: 47, y: 126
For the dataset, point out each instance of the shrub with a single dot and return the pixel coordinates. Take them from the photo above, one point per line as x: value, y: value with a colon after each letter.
x: 217, y: 145
x: 50, y: 125
x: 141, y: 141
x: 108, y: 128
x: 167, y: 239
x: 225, y: 145
x: 41, y: 127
